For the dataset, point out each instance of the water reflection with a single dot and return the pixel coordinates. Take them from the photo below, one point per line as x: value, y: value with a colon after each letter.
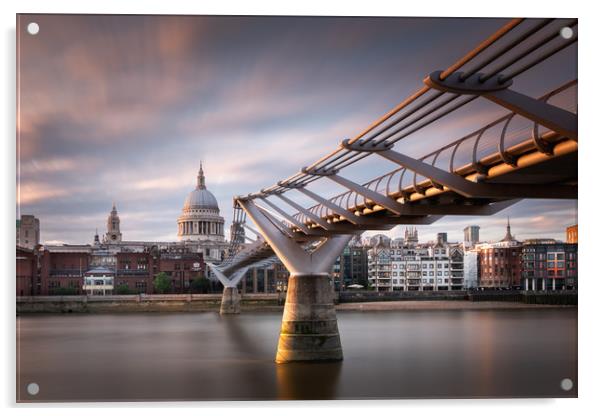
x: 203, y: 356
x: 310, y: 381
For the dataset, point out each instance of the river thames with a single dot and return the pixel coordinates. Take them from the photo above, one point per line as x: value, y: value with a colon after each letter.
x: 388, y: 354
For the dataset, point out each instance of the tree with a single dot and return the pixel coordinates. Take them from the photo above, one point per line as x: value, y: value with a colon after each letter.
x: 200, y: 285
x: 122, y: 289
x: 161, y: 282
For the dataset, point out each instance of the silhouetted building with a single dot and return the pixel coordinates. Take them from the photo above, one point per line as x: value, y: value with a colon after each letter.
x: 442, y: 238
x: 28, y: 231
x: 471, y: 235
x: 354, y: 264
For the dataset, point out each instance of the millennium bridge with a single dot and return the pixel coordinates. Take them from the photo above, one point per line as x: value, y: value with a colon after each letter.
x: 530, y: 151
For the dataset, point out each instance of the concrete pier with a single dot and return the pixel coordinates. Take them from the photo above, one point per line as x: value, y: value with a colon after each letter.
x: 309, y: 329
x: 230, y: 301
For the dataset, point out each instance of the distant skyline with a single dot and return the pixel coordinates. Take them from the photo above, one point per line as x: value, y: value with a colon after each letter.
x: 122, y: 109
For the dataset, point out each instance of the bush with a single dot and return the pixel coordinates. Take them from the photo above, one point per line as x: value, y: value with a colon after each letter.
x: 161, y: 283
x: 122, y: 290
x: 200, y: 285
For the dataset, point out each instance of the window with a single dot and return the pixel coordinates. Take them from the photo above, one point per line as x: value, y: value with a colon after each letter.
x: 424, y: 273
x: 431, y: 273
x: 550, y: 264
x: 438, y: 273
x: 560, y: 264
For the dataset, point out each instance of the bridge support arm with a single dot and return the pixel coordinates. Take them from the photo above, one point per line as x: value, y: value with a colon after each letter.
x: 230, y: 296
x: 309, y: 330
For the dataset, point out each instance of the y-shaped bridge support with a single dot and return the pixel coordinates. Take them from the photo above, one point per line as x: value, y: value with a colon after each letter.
x: 309, y: 329
x: 230, y: 296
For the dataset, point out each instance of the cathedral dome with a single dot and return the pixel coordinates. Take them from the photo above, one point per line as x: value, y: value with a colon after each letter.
x: 201, y: 199
x: 200, y: 219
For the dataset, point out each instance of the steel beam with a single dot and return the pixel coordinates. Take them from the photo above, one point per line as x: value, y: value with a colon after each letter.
x: 382, y: 200
x: 287, y: 216
x: 349, y: 216
x: 322, y: 223
x: 561, y: 121
x: 231, y: 281
x: 282, y: 228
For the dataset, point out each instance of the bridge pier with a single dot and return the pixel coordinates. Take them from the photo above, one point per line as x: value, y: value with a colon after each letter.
x: 230, y: 296
x: 230, y: 301
x: 309, y: 330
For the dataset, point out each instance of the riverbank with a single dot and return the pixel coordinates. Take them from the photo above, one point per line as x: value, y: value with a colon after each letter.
x: 442, y: 305
x: 270, y: 302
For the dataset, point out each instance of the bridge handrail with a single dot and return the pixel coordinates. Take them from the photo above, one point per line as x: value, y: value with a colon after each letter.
x: 426, y: 106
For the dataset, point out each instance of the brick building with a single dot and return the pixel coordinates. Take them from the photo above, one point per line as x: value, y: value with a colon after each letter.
x: 182, y: 269
x: 499, y: 264
x: 549, y: 265
x: 27, y: 272
x: 62, y: 269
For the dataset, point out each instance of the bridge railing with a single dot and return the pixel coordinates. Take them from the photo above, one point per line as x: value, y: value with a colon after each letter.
x: 471, y: 153
x: 517, y: 47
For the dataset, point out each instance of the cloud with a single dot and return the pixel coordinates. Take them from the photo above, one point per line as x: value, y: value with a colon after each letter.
x: 126, y: 106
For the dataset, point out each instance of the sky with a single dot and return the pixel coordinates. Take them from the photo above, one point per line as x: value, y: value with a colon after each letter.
x: 123, y: 108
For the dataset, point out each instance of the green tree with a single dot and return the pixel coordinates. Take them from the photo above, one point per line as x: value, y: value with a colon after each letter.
x: 122, y: 289
x: 200, y: 285
x: 161, y: 282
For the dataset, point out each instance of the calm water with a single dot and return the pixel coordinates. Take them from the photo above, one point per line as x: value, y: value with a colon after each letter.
x: 203, y: 356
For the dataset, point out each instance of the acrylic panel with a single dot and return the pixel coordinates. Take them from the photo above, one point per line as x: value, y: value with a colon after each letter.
x: 294, y: 208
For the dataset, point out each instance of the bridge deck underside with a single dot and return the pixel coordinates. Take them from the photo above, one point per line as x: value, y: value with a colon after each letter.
x: 534, y: 168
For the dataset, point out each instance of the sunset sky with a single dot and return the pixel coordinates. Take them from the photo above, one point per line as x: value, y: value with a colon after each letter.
x: 123, y: 108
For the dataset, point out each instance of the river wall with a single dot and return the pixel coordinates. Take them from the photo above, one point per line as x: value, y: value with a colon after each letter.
x: 532, y: 297
x: 268, y: 301
x: 142, y: 303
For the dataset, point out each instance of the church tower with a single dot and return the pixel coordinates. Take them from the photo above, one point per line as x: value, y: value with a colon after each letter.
x: 113, y: 234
